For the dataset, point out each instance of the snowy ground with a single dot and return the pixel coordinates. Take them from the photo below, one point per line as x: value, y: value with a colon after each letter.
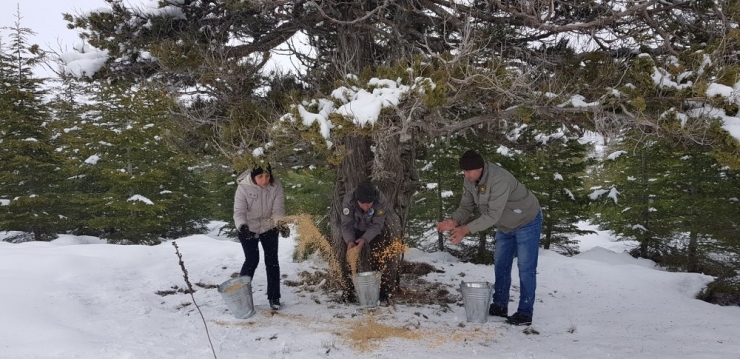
x: 79, y: 298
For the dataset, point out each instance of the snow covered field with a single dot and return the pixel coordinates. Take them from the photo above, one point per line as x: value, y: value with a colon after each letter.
x: 77, y: 297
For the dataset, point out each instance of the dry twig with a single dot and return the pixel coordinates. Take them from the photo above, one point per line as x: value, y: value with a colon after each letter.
x: 191, y: 291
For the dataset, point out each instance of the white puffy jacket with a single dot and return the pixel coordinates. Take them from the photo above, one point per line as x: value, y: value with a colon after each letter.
x: 259, y: 208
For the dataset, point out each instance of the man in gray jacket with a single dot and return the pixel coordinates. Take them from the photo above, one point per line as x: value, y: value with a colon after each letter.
x: 363, y: 217
x: 507, y: 204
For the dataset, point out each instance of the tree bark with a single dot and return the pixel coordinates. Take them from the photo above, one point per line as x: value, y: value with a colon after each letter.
x: 692, y: 253
x: 548, y: 222
x: 392, y: 172
x: 645, y: 238
x: 441, y: 214
x: 483, y: 256
x: 354, y: 168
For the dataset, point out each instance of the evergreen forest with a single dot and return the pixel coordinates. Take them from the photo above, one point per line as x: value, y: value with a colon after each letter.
x: 617, y: 113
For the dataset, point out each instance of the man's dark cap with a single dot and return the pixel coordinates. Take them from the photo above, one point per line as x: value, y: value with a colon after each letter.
x: 471, y: 160
x: 366, y: 192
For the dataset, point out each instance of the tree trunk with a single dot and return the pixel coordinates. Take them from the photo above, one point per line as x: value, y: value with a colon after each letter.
x: 389, y: 165
x: 645, y: 237
x: 391, y: 172
x: 483, y: 256
x: 355, y: 52
x: 692, y: 255
x: 441, y: 213
x: 354, y: 168
x: 396, y: 177
x: 547, y: 224
x: 441, y: 240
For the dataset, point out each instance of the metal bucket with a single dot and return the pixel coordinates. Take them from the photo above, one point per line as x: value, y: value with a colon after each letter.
x: 367, y: 286
x: 237, y: 293
x: 476, y: 297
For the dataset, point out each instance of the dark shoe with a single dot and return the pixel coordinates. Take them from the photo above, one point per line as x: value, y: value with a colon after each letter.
x: 497, y: 311
x: 275, y: 304
x: 519, y: 319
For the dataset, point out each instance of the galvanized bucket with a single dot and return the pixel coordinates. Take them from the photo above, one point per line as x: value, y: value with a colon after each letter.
x: 367, y: 286
x: 476, y: 298
x: 237, y: 293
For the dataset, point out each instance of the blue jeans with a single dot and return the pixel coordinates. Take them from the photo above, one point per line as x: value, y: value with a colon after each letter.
x: 525, y: 244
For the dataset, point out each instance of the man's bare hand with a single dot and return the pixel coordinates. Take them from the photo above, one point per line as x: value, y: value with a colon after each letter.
x: 446, y: 225
x: 458, y: 233
x: 358, y: 243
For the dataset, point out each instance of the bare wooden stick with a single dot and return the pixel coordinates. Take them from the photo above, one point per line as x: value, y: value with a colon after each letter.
x: 191, y: 291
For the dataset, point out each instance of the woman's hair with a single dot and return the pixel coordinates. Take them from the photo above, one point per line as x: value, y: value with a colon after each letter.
x: 259, y: 170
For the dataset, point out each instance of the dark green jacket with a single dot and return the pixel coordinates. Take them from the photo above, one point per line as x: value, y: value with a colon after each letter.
x: 503, y: 201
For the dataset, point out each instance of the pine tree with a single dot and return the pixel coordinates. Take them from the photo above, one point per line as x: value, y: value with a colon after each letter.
x: 69, y: 109
x: 490, y: 64
x: 558, y: 161
x: 220, y: 183
x: 135, y: 186
x: 676, y: 201
x: 706, y: 210
x: 639, y: 204
x: 29, y: 167
x: 307, y: 190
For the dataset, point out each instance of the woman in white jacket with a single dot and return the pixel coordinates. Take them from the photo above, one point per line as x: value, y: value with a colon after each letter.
x: 259, y: 204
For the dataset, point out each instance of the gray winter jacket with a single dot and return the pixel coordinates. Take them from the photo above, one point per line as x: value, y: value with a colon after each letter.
x: 354, y: 219
x: 503, y: 201
x: 259, y: 208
